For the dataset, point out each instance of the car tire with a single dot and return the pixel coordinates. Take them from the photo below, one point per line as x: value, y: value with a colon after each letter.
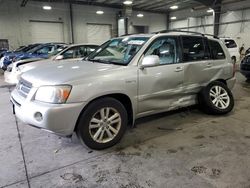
x: 102, y: 124
x: 216, y: 99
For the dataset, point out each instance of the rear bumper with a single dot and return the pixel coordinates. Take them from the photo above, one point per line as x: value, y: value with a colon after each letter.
x: 231, y: 82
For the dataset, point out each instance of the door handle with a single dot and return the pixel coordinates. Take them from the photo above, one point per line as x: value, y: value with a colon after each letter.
x: 179, y: 69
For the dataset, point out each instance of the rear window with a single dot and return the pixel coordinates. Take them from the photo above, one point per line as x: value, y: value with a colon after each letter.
x: 216, y: 50
x: 230, y: 43
x: 194, y: 49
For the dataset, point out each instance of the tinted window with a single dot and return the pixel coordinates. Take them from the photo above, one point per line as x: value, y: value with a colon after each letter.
x: 45, y: 50
x: 82, y: 51
x: 90, y: 49
x: 74, y: 52
x: 194, y: 49
x: 216, y: 50
x: 230, y: 43
x: 166, y: 49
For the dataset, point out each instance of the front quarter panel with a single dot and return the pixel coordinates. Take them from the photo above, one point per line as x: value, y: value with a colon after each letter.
x: 121, y: 81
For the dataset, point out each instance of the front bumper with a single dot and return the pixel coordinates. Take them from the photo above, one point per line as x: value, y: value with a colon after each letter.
x: 57, y: 118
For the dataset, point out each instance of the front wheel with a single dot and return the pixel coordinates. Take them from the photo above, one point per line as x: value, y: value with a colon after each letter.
x: 216, y: 98
x: 102, y: 124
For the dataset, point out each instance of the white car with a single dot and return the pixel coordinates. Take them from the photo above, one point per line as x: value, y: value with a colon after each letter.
x: 71, y: 53
x: 232, y: 48
x: 1, y: 62
x: 13, y: 72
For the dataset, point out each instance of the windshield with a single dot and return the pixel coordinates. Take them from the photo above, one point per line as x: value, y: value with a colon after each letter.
x: 20, y: 49
x: 34, y: 49
x: 118, y: 51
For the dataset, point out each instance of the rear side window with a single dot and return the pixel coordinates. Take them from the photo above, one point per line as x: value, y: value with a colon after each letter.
x: 230, y: 43
x: 194, y: 49
x: 46, y: 50
x: 91, y: 49
x: 216, y: 50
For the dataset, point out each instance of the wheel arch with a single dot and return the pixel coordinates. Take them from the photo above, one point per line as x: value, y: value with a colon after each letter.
x: 222, y: 81
x: 123, y: 98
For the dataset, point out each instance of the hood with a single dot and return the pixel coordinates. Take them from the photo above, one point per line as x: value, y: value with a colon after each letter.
x: 68, y: 72
x: 28, y: 64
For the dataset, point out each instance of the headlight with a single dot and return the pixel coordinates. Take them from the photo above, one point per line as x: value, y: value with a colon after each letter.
x: 53, y: 94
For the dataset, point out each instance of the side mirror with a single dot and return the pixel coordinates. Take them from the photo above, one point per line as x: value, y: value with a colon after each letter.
x: 150, y: 61
x: 60, y: 57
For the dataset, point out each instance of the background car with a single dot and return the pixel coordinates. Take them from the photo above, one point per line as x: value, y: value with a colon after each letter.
x: 12, y: 73
x: 245, y: 66
x: 7, y: 56
x: 37, y: 51
x: 232, y: 48
x: 69, y: 53
x: 247, y: 51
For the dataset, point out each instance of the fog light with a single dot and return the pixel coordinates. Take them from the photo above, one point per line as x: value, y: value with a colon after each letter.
x: 38, y: 116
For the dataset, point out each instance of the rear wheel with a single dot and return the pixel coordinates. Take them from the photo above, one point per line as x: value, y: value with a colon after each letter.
x: 216, y: 98
x: 102, y: 124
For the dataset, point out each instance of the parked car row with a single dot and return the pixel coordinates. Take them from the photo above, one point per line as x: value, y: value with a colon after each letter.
x: 124, y: 79
x: 10, y: 56
x: 61, y: 53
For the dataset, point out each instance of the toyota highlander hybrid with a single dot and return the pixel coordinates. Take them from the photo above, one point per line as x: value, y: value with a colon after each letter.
x: 124, y: 79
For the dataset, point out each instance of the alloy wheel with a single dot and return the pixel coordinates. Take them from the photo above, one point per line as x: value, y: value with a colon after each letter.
x: 219, y: 97
x: 105, y: 124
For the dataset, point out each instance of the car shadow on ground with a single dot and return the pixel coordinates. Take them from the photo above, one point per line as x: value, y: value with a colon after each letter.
x: 158, y: 125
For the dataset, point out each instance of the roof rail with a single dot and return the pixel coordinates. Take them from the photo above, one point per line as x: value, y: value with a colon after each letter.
x: 180, y: 31
x: 130, y: 34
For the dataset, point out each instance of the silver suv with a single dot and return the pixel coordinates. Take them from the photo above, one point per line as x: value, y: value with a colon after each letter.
x: 124, y: 79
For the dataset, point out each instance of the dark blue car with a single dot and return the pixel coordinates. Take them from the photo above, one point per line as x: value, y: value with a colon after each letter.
x: 40, y: 51
x: 2, y: 52
x: 7, y: 56
x: 245, y: 67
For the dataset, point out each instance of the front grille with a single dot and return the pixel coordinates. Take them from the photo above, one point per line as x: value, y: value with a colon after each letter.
x: 23, y: 87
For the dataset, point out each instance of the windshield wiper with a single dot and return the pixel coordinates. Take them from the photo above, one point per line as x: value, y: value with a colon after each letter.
x: 99, y: 61
x: 106, y: 62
